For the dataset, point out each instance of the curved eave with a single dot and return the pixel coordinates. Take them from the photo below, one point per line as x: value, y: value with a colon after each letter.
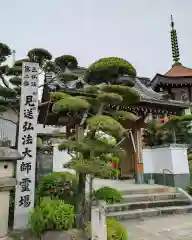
x: 170, y: 103
x: 149, y: 102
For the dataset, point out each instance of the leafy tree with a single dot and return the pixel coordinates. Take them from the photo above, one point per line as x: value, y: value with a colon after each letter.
x: 153, y: 135
x: 179, y: 127
x: 176, y: 130
x: 100, y: 106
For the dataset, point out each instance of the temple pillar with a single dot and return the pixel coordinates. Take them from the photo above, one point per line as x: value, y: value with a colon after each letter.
x: 127, y: 164
x: 138, y: 155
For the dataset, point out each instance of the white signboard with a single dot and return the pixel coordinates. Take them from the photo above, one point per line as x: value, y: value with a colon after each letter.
x: 25, y: 188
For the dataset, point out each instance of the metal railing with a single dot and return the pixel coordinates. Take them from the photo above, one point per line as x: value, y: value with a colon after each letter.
x: 164, y: 174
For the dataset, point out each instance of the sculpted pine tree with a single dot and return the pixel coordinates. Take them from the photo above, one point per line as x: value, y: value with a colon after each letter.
x: 8, y: 95
x: 10, y: 89
x: 100, y: 107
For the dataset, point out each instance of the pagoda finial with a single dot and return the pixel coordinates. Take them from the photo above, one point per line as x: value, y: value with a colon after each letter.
x: 174, y: 43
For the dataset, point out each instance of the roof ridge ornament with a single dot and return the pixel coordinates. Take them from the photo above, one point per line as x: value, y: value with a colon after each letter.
x: 172, y: 22
x: 174, y: 43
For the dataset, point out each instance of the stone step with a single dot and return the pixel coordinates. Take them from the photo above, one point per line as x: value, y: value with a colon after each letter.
x: 140, y: 213
x: 149, y: 212
x: 146, y: 204
x: 151, y: 197
x: 148, y: 190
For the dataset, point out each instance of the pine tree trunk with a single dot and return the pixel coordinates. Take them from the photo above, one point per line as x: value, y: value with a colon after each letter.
x: 82, y: 182
x: 81, y: 201
x: 80, y: 205
x: 90, y: 196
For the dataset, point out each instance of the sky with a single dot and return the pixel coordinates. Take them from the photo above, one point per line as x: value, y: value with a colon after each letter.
x: 136, y: 30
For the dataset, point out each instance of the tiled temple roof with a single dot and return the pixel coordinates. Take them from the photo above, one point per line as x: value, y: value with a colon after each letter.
x: 144, y: 80
x: 147, y: 94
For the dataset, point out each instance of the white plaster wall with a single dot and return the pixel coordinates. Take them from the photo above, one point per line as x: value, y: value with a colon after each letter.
x: 160, y: 159
x: 147, y: 156
x: 156, y: 160
x: 180, y: 160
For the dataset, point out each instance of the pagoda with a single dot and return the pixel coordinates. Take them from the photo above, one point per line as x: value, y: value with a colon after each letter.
x: 177, y: 82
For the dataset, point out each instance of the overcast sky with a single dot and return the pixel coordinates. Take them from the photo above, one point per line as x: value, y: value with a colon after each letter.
x: 137, y: 30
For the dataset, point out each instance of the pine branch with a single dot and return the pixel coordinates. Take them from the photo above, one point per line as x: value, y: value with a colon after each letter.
x: 15, y: 111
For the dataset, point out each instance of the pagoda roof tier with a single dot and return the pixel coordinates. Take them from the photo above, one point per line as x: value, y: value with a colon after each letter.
x: 148, y: 95
x: 178, y: 70
x: 160, y: 79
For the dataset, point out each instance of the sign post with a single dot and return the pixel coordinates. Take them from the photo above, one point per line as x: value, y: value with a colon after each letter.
x: 25, y: 173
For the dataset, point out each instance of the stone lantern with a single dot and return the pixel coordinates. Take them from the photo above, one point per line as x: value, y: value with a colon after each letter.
x: 7, y: 158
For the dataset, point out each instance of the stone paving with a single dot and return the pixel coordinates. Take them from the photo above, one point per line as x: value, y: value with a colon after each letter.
x: 171, y: 227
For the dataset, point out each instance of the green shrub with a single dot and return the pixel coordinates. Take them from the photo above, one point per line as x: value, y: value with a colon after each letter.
x: 51, y: 215
x: 116, y: 231
x: 109, y: 195
x: 59, y: 185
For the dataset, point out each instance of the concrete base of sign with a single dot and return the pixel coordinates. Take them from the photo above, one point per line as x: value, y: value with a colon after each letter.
x: 22, y: 221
